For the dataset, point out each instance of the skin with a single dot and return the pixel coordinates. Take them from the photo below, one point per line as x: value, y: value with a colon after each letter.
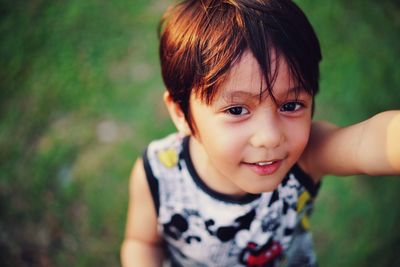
x: 393, y: 143
x: 240, y: 129
x: 370, y: 147
x: 142, y: 245
x: 241, y: 133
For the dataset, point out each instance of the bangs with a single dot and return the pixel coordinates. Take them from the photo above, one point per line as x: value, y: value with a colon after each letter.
x: 200, y: 40
x: 223, y: 30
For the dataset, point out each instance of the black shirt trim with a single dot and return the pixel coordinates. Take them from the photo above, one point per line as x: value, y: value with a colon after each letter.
x: 305, y: 180
x: 152, y: 181
x: 300, y: 175
x: 217, y: 195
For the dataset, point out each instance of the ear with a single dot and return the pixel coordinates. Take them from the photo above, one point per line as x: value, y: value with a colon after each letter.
x: 177, y: 116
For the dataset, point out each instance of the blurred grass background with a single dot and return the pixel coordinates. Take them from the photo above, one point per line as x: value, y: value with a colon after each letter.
x: 80, y: 97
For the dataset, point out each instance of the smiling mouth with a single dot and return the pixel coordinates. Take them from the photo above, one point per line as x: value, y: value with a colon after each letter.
x: 263, y: 163
x: 264, y: 167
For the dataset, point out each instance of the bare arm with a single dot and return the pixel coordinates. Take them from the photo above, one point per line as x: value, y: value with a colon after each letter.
x: 142, y: 245
x: 370, y: 147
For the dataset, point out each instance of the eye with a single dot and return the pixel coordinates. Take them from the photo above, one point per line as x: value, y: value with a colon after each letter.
x: 237, y: 111
x: 291, y: 106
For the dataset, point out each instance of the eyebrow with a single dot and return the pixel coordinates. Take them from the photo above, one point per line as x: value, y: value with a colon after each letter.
x: 239, y: 94
x: 297, y: 90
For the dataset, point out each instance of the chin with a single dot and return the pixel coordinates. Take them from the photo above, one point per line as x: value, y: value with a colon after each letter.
x: 269, y: 186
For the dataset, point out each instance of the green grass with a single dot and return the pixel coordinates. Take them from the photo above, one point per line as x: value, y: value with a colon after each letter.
x: 70, y: 69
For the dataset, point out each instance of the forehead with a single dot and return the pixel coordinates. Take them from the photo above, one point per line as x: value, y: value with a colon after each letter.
x: 246, y: 78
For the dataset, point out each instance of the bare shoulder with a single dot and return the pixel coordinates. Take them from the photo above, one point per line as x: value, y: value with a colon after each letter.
x: 142, y: 215
x: 137, y: 179
x: 142, y: 245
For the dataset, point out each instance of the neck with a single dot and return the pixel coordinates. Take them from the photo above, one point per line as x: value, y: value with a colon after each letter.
x: 208, y: 173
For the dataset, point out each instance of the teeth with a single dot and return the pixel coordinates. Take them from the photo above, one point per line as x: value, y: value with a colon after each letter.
x: 264, y: 163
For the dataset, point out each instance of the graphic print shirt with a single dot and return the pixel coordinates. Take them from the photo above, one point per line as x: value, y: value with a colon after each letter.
x: 202, y: 227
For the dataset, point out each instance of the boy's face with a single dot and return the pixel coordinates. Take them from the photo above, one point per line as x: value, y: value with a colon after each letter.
x: 246, y: 143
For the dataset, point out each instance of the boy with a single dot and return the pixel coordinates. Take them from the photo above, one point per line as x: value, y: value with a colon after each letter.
x: 236, y: 185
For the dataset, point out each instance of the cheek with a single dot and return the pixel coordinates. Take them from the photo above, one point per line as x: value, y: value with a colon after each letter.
x: 224, y: 145
x: 298, y: 137
x: 226, y: 142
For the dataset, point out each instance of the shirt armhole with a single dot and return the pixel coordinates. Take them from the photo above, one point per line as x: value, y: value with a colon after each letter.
x: 306, y: 180
x: 152, y: 181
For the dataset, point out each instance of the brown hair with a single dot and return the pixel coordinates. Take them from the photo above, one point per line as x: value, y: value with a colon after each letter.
x: 201, y: 39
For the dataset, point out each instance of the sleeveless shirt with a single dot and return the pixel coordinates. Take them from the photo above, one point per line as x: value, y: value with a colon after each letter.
x: 202, y: 227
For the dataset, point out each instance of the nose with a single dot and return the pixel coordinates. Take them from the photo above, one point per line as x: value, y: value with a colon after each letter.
x: 268, y: 132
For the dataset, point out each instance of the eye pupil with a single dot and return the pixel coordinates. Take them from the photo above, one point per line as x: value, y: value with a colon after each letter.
x: 236, y: 110
x: 289, y: 106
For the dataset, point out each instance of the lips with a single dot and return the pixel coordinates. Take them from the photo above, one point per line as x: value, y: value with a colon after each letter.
x: 264, y: 167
